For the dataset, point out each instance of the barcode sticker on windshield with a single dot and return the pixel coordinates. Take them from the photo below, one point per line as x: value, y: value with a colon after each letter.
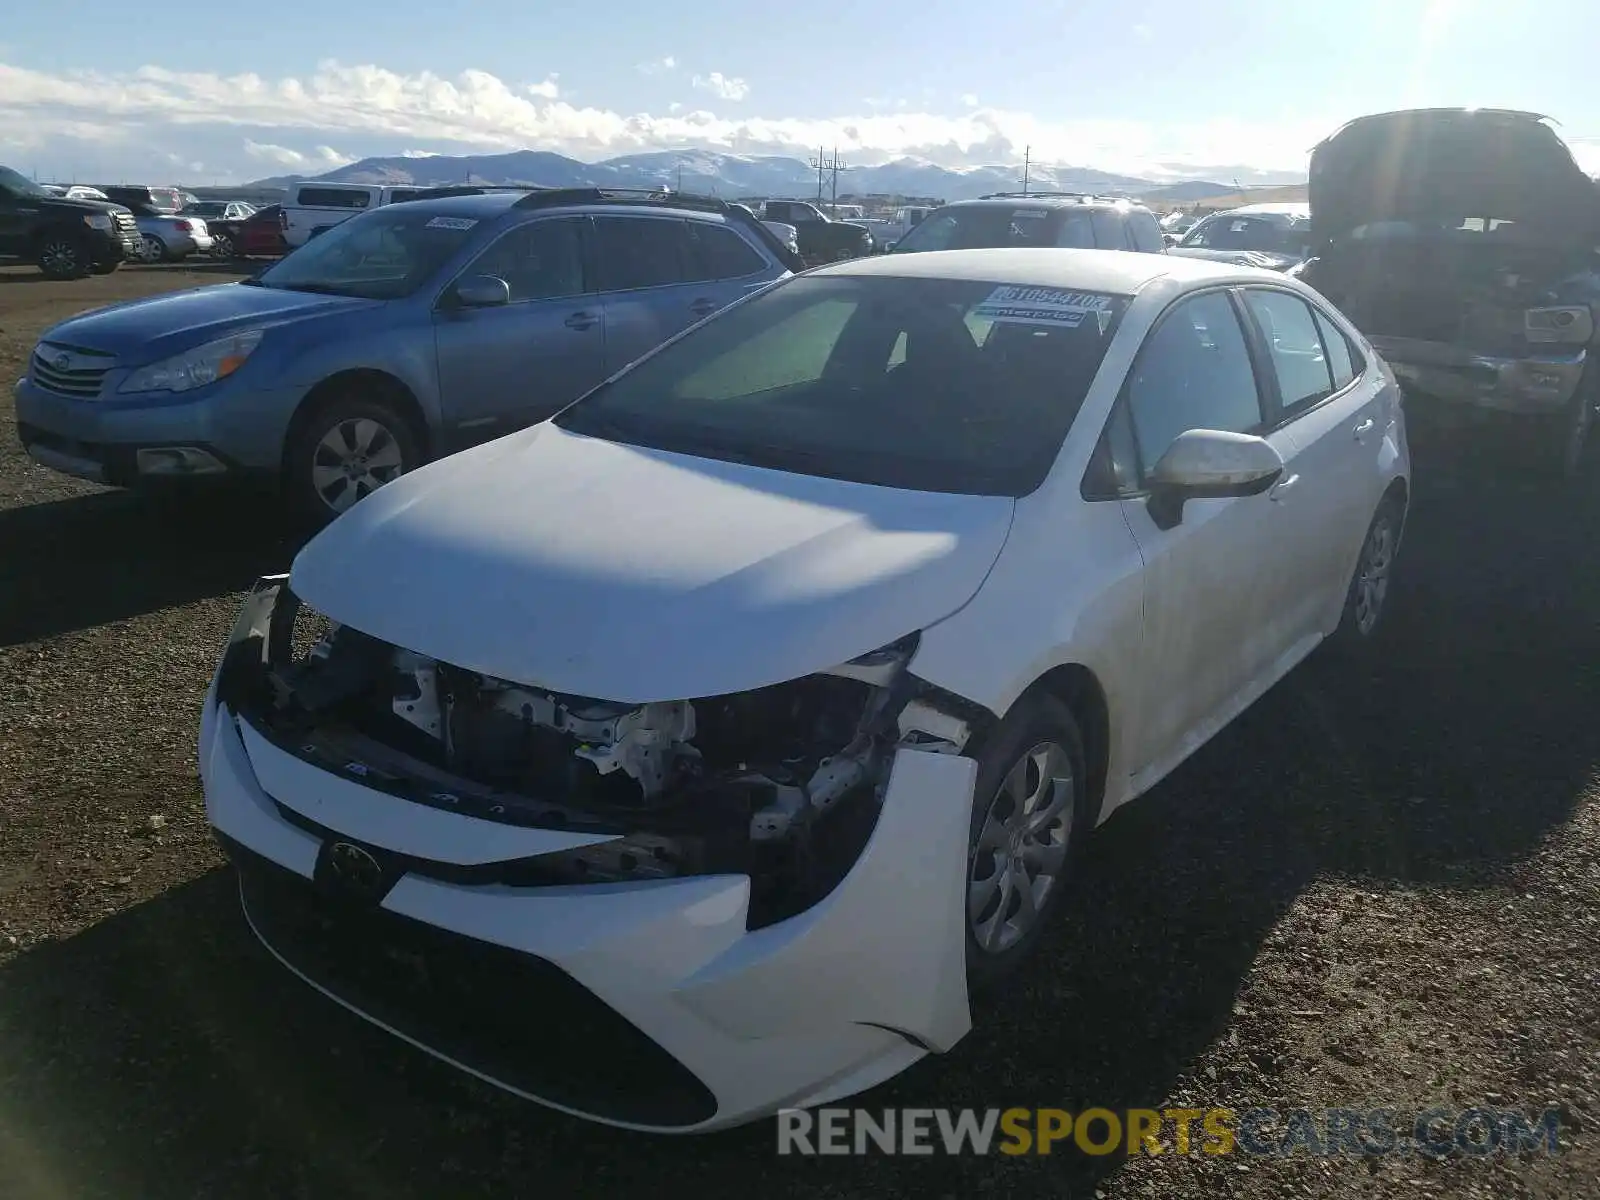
x: 452, y: 223
x: 1042, y: 306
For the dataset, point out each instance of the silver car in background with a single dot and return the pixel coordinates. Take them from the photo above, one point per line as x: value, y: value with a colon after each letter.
x: 166, y: 234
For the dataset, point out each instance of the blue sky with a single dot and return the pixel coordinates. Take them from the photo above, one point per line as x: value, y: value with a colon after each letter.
x: 1152, y: 88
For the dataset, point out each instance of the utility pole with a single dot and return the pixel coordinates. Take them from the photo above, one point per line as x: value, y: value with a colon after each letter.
x: 1027, y: 156
x: 680, y: 177
x: 832, y: 166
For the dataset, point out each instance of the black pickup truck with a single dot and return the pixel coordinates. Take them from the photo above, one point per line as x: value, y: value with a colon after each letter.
x: 821, y: 238
x: 66, y: 239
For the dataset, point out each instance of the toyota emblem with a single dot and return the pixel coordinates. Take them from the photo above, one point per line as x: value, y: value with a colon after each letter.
x: 355, y: 867
x: 63, y: 361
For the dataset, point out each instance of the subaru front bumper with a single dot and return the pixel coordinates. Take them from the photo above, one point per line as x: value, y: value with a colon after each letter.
x: 237, y: 427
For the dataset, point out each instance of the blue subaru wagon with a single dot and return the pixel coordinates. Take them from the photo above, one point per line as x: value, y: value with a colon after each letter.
x: 398, y: 336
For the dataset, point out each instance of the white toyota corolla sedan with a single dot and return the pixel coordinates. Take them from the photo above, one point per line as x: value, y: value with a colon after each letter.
x: 698, y: 752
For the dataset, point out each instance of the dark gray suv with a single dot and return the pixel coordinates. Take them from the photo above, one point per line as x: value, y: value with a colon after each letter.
x: 1059, y: 219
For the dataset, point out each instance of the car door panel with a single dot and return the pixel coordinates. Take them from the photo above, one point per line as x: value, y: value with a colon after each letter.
x: 511, y: 365
x: 1325, y: 417
x: 1213, y: 590
x: 645, y: 284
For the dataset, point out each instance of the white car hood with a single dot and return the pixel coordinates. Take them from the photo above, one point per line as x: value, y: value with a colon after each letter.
x: 602, y: 570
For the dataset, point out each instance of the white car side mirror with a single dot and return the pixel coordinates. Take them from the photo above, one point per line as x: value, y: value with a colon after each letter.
x: 1210, y: 463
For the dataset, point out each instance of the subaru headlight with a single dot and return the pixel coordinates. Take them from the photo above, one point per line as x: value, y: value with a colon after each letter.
x: 196, y: 368
x: 98, y: 221
x: 1571, y: 324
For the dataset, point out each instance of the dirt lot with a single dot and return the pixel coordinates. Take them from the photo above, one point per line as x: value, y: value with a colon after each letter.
x: 1377, y: 890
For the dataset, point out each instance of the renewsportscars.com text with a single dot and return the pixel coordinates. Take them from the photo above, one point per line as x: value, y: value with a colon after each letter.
x: 1263, y: 1132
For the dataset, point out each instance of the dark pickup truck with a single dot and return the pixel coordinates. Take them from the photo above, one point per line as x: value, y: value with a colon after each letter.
x: 1462, y: 242
x: 821, y: 238
x: 66, y: 239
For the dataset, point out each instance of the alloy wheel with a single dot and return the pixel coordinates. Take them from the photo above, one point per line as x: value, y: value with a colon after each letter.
x: 1372, y: 574
x: 151, y: 248
x: 1021, y: 848
x: 59, y: 259
x: 222, y: 246
x: 354, y: 459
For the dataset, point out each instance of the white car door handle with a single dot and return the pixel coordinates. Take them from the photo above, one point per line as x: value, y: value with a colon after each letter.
x: 1364, y: 428
x: 1282, y: 486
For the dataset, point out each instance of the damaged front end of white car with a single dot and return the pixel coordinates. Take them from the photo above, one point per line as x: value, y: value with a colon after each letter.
x: 758, y: 897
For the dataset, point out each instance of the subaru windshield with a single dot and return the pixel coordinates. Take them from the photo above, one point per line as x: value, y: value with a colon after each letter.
x: 927, y: 384
x: 381, y: 255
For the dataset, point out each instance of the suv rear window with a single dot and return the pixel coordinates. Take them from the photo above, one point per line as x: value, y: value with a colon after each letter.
x: 1145, y: 232
x: 992, y: 226
x: 642, y: 252
x: 717, y: 252
x: 315, y: 197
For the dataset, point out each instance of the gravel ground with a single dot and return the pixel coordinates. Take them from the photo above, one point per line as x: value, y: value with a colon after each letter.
x: 1376, y: 889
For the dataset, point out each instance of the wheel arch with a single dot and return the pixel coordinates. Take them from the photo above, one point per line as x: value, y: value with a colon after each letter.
x: 1077, y: 687
x: 36, y: 243
x: 367, y: 380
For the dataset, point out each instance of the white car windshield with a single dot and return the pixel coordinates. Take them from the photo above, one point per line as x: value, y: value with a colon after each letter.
x: 935, y: 385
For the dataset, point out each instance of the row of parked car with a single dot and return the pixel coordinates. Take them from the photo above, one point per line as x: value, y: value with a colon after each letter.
x: 414, y: 319
x: 745, y: 715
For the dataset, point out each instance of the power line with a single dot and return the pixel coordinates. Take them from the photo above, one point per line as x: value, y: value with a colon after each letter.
x: 829, y: 166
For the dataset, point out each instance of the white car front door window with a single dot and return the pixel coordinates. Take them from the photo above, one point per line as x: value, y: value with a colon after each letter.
x: 1211, y: 580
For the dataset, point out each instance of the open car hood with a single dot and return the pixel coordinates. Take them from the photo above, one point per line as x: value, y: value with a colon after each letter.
x: 1436, y: 163
x: 597, y: 569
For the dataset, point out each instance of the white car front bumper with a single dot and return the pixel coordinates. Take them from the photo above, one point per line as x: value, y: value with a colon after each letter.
x: 720, y: 1025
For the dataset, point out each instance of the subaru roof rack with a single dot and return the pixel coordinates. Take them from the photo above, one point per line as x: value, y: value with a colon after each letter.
x: 1081, y: 197
x: 662, y: 197
x: 465, y: 189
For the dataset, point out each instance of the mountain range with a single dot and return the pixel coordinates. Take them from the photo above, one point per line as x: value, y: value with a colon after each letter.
x: 760, y: 175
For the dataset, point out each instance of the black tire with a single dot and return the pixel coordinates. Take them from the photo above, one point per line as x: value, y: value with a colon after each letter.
x: 1035, y: 720
x: 222, y: 246
x: 1361, y: 623
x: 105, y: 268
x: 62, y: 256
x: 153, y: 249
x: 303, y: 453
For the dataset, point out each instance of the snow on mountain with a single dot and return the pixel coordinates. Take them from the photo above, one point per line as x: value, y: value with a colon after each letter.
x: 729, y: 174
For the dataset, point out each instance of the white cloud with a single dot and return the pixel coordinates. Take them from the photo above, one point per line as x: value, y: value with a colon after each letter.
x: 273, y: 153
x: 1143, y: 32
x: 348, y: 105
x: 970, y: 100
x: 660, y: 66
x: 323, y: 158
x: 724, y: 86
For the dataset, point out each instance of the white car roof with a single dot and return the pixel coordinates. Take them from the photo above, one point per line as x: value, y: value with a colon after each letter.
x: 1118, y: 272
